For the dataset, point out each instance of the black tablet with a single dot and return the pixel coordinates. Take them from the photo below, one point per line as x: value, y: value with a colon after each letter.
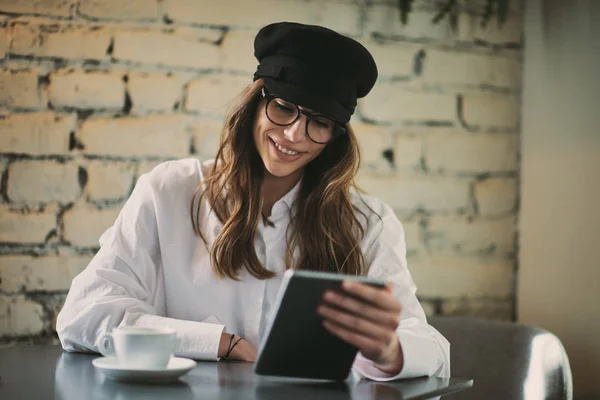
x: 295, y: 343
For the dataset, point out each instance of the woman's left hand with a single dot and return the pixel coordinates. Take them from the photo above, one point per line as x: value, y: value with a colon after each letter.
x: 367, y: 318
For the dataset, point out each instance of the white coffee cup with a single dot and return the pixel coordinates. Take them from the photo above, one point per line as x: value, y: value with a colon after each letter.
x: 143, y: 348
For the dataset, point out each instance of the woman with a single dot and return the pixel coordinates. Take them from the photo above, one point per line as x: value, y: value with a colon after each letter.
x: 202, y: 248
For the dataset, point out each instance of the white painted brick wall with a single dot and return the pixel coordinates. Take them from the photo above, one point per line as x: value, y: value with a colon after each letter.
x: 76, y: 43
x: 54, y: 8
x: 94, y: 93
x: 460, y: 277
x: 239, y: 13
x: 496, y: 196
x: 120, y: 10
x: 471, y: 152
x: 33, y: 182
x: 84, y: 224
x: 19, y: 89
x: 20, y: 316
x: 169, y: 49
x: 36, y: 134
x: 27, y: 227
x: 392, y: 103
x: 212, y: 95
x: 86, y: 90
x: 164, y: 136
x: 155, y: 91
x: 39, y: 273
x: 109, y: 180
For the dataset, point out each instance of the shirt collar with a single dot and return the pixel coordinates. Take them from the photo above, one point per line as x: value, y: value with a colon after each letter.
x: 287, y: 201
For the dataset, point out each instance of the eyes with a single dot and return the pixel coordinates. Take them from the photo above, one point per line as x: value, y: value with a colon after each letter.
x: 290, y: 110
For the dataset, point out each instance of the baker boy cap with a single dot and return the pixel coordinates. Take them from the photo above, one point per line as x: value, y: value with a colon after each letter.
x: 314, y: 67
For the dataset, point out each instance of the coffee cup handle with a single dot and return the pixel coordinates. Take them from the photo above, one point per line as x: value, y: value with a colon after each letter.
x: 106, y: 345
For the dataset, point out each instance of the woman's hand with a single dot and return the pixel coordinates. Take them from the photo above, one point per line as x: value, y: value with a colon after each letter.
x: 367, y: 318
x: 243, y: 351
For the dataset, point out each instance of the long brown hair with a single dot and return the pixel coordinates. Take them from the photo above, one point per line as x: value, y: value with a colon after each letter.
x: 324, y: 232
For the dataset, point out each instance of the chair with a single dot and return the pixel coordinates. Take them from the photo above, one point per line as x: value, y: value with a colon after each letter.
x: 506, y: 360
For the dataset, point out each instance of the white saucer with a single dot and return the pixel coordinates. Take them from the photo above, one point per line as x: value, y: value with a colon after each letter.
x: 177, y: 366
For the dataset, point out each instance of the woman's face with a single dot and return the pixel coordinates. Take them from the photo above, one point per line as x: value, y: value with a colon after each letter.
x: 285, y: 150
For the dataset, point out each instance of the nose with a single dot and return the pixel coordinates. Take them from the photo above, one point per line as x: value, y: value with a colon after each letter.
x: 296, y: 132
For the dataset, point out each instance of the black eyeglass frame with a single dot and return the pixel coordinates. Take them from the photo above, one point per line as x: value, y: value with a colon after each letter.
x: 339, y: 128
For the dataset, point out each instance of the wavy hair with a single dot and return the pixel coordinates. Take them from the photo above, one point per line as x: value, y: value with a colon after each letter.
x: 324, y: 231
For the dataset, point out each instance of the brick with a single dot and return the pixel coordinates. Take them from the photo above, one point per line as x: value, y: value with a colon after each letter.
x: 237, y: 51
x: 457, y: 277
x: 20, y: 316
x: 19, y: 89
x: 155, y: 92
x: 26, y: 227
x: 458, y: 234
x: 78, y: 43
x: 471, y: 152
x: 160, y: 135
x: 40, y: 273
x: 393, y: 59
x: 390, y: 102
x: 246, y: 14
x: 470, y: 29
x: 206, y: 134
x: 341, y: 17
x: 84, y: 224
x: 54, y: 8
x: 109, y: 180
x: 408, y: 151
x: 496, y: 196
x: 86, y: 90
x: 499, y: 308
x: 33, y: 182
x: 36, y: 134
x: 119, y: 10
x: 212, y: 94
x: 146, y: 166
x: 384, y: 19
x: 373, y: 141
x: 4, y: 41
x: 472, y: 69
x: 167, y: 48
x: 413, y: 236
x: 491, y: 110
x: 418, y: 192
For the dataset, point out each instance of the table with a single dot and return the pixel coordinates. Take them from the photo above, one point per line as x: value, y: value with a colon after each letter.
x: 41, y: 372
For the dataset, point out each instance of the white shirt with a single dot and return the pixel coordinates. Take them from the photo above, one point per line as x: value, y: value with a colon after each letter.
x: 152, y: 270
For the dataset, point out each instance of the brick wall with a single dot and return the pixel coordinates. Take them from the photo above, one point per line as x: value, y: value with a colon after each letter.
x: 93, y: 93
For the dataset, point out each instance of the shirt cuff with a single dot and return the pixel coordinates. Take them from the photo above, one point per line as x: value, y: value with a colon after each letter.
x: 197, y: 340
x: 420, y: 359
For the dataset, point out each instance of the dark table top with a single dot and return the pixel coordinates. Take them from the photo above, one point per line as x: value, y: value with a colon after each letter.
x: 44, y: 372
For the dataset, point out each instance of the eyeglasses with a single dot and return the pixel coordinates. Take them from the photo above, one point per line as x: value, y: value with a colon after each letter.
x: 319, y: 128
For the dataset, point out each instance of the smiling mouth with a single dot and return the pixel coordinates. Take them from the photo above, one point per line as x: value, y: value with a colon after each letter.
x: 284, y: 150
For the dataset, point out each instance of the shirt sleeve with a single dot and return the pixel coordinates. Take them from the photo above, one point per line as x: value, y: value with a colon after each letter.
x: 426, y: 352
x: 123, y: 286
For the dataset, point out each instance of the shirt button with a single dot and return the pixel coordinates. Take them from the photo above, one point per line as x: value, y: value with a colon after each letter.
x: 257, y: 302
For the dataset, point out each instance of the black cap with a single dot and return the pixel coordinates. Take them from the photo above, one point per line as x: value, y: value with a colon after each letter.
x: 314, y: 67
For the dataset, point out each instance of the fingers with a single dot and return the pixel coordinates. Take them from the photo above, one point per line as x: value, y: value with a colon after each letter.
x: 380, y: 298
x: 371, y: 348
x: 367, y: 311
x: 356, y: 324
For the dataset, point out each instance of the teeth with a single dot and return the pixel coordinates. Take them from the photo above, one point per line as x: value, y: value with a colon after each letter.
x: 285, y: 151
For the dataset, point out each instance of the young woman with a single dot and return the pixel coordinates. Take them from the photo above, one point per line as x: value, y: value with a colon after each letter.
x: 202, y: 247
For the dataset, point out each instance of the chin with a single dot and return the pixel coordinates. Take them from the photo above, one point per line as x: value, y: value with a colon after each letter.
x: 281, y: 171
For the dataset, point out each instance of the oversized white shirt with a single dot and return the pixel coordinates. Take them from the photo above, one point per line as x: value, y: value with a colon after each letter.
x: 152, y: 270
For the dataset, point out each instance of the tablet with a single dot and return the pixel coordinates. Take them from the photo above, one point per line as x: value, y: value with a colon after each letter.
x: 295, y: 343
